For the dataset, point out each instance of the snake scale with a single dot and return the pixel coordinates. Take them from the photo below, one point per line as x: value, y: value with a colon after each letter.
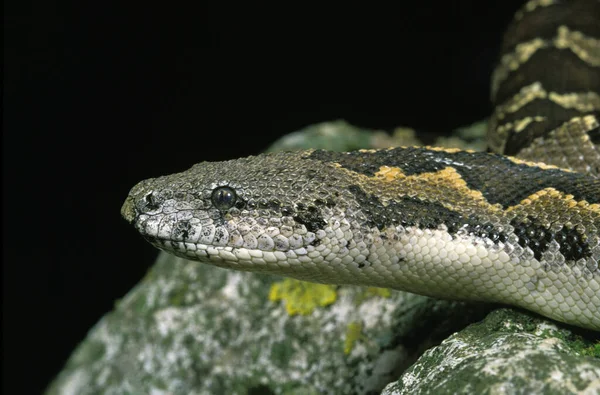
x: 519, y: 225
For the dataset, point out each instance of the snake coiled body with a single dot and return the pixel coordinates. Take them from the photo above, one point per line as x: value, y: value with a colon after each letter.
x: 498, y: 227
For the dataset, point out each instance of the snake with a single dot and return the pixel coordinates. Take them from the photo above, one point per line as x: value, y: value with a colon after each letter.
x: 516, y: 225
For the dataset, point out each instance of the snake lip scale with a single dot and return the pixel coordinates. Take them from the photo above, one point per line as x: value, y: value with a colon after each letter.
x: 522, y: 230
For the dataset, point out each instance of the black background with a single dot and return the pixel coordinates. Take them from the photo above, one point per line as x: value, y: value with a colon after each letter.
x: 100, y: 96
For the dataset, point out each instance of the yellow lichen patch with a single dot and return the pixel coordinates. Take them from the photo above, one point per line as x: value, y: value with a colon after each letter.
x: 301, y: 297
x: 372, y: 292
x: 353, y: 334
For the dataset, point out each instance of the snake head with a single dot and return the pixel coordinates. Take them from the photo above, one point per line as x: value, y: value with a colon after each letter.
x: 257, y: 213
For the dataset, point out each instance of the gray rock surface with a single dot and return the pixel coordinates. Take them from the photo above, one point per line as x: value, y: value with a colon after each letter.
x: 506, y: 353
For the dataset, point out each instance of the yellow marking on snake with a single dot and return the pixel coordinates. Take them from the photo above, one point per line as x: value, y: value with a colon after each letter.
x: 586, y: 48
x: 553, y: 195
x: 580, y: 101
x: 390, y: 174
x: 526, y: 95
x: 434, y: 185
x: 518, y: 125
x: 532, y: 6
x: 448, y: 150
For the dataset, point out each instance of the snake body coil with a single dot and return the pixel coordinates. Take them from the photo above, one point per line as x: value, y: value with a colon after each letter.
x: 438, y: 222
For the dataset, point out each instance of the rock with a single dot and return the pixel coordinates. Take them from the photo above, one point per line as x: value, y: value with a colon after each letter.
x: 190, y: 328
x: 507, y: 353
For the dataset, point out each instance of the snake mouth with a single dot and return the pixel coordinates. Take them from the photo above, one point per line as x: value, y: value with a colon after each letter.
x: 240, y: 258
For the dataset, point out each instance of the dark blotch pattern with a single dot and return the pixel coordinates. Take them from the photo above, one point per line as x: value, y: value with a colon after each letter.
x: 538, y: 238
x: 485, y: 231
x: 405, y: 211
x: 309, y: 216
x: 182, y: 230
x: 498, y: 178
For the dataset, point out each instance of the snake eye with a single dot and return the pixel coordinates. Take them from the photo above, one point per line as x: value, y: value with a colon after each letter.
x: 223, y: 198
